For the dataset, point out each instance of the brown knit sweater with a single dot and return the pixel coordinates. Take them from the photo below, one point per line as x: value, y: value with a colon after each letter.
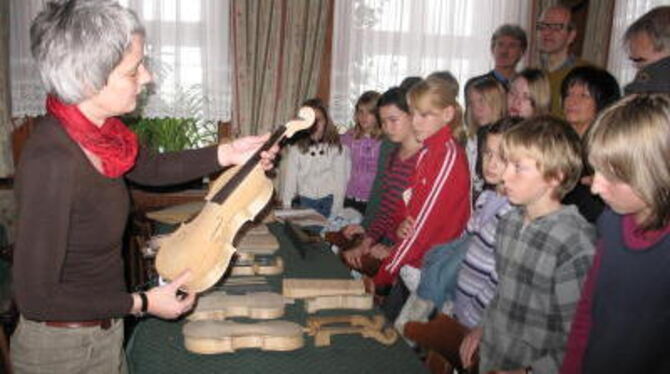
x: 67, y: 260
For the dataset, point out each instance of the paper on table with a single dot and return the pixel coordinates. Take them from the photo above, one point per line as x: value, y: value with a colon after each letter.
x: 302, y: 217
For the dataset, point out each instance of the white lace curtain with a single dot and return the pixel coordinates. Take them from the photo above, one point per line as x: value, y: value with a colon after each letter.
x: 377, y: 43
x: 625, y: 13
x: 187, y: 51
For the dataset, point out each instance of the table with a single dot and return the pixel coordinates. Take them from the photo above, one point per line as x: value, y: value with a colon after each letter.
x: 156, y: 346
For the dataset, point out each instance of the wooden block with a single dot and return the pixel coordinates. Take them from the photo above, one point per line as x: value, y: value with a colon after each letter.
x: 256, y: 268
x: 211, y: 337
x: 359, y: 302
x: 256, y: 305
x: 258, y: 244
x: 259, y: 230
x: 298, y: 288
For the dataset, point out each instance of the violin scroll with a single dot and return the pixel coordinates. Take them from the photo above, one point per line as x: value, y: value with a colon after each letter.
x: 306, y: 118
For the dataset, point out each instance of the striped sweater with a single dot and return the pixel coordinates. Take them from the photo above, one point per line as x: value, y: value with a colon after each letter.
x: 477, y: 279
x: 395, y: 180
x: 439, y: 202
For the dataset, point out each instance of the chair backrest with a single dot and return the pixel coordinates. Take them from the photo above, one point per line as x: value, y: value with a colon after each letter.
x: 20, y: 135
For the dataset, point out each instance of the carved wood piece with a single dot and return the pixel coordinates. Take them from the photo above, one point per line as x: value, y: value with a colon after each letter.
x: 261, y: 229
x: 256, y: 268
x: 299, y: 288
x: 356, y: 324
x: 256, y: 305
x: 211, y: 337
x: 262, y: 244
x: 360, y: 302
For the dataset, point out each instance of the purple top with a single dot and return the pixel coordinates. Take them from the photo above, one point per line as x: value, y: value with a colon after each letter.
x: 364, y: 153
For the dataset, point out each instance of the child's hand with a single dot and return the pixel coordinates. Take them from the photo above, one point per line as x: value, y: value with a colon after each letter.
x: 350, y: 230
x: 469, y: 347
x: 369, y: 284
x: 406, y: 228
x: 353, y: 257
x: 380, y: 251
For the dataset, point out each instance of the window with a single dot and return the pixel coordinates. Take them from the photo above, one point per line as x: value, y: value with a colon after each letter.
x: 377, y: 43
x: 187, y: 50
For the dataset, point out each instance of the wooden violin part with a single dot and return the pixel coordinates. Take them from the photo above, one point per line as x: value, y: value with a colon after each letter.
x: 264, y: 244
x: 299, y: 288
x: 255, y: 267
x: 211, y: 337
x: 205, y: 244
x: 323, y: 328
x: 256, y: 305
x: 259, y: 230
x: 359, y: 302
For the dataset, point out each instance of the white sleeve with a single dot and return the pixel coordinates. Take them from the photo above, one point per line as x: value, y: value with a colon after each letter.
x: 342, y: 166
x: 290, y: 183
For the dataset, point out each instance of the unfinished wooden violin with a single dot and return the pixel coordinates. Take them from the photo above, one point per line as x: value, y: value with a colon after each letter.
x: 256, y: 305
x: 205, y: 245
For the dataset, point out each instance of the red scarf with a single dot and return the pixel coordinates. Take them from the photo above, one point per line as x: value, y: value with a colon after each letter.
x: 113, y: 142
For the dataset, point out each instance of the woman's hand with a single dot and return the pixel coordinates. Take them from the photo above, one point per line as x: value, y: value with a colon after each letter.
x: 240, y: 150
x: 350, y: 230
x: 405, y: 228
x: 469, y: 347
x: 164, y: 301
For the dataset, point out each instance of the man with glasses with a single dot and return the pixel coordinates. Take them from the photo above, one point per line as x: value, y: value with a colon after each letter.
x: 647, y: 41
x: 508, y: 45
x: 556, y: 32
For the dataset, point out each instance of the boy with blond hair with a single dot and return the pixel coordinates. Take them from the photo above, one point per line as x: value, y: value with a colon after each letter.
x: 544, y: 252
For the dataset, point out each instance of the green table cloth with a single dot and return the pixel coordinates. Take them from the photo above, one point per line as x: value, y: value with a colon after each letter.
x: 157, y: 346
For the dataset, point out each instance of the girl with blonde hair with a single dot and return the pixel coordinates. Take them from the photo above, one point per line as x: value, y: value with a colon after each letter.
x: 529, y: 94
x: 486, y: 103
x: 437, y: 202
x: 363, y: 142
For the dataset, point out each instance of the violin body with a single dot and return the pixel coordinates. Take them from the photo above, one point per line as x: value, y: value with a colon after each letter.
x: 256, y: 305
x: 205, y: 245
x: 201, y: 244
x: 211, y: 337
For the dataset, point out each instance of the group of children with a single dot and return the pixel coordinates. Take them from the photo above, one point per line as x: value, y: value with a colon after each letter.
x: 536, y: 279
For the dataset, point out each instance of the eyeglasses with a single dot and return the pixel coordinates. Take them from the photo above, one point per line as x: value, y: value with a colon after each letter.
x: 541, y: 26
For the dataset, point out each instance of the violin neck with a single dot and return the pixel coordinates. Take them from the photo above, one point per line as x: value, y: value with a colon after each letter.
x: 248, y: 166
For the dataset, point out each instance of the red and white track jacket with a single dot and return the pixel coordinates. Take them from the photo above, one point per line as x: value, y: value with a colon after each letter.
x: 439, y: 203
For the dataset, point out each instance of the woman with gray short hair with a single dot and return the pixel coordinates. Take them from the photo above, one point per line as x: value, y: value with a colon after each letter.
x: 73, y: 200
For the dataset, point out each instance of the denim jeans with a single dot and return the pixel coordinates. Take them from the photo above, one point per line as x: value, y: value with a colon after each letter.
x: 323, y: 205
x: 38, y: 348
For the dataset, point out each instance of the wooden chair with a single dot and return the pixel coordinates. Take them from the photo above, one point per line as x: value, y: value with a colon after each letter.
x: 23, y: 127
